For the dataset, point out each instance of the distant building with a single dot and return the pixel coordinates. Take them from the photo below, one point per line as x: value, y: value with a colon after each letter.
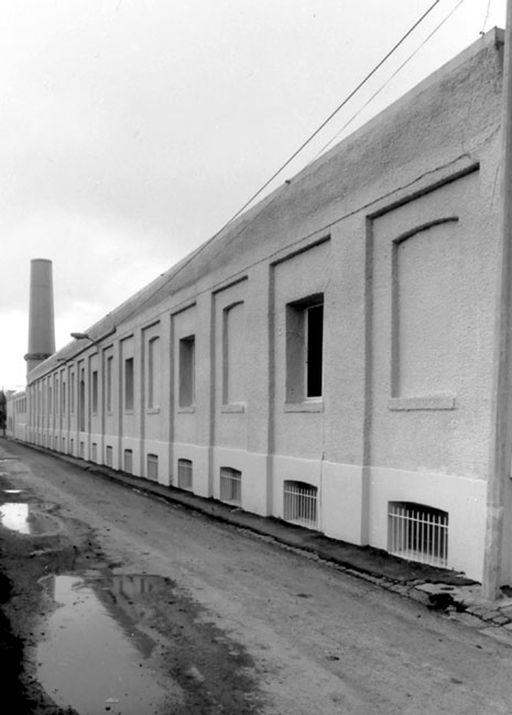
x: 326, y: 359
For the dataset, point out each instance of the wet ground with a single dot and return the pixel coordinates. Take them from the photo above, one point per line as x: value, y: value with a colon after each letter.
x: 113, y: 602
x: 91, y: 656
x: 77, y: 638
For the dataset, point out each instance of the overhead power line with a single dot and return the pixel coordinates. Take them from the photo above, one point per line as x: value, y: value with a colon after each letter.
x: 482, y: 31
x: 201, y: 248
x: 333, y: 113
x: 393, y: 75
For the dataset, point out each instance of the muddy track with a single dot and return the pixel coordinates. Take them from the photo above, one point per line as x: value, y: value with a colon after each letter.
x: 146, y: 608
x: 20, y: 612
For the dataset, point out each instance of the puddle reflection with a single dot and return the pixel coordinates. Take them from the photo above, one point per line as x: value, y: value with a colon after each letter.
x: 25, y: 518
x: 92, y: 658
x: 133, y: 586
x: 15, y: 516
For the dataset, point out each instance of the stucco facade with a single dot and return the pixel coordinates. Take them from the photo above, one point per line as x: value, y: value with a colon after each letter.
x: 338, y: 335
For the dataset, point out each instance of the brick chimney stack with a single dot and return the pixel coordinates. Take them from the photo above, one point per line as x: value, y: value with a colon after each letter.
x: 41, y: 329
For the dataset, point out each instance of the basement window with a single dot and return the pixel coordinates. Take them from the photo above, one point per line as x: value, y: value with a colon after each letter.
x: 152, y: 467
x: 304, y: 349
x: 300, y: 503
x: 128, y: 461
x: 418, y: 533
x: 184, y: 473
x: 230, y: 485
x: 109, y: 456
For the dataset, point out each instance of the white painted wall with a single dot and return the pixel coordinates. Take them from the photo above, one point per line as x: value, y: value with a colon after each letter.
x: 404, y: 413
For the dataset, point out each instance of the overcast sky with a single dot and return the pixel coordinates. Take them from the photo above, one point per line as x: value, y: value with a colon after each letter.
x: 131, y: 130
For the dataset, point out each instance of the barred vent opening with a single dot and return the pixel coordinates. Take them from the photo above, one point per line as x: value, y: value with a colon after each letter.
x: 128, y: 461
x: 108, y: 456
x: 184, y: 473
x: 300, y: 503
x: 230, y: 485
x: 94, y: 452
x: 418, y: 533
x: 152, y: 467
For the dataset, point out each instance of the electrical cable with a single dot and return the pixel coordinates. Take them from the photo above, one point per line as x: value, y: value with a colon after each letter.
x: 332, y: 114
x: 482, y: 31
x: 390, y: 78
x: 182, y: 265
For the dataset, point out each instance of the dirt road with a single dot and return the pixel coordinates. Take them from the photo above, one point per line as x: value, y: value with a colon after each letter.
x: 222, y: 621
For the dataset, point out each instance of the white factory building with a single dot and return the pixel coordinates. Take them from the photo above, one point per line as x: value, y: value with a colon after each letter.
x: 327, y: 358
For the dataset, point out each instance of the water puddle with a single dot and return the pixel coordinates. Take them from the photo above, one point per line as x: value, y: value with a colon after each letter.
x: 15, y: 516
x: 93, y: 658
x: 23, y: 518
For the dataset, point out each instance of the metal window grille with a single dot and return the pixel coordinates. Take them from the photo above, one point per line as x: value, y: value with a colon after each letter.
x: 418, y: 533
x: 300, y: 503
x: 184, y: 473
x: 230, y: 485
x: 94, y: 452
x: 152, y: 467
x: 128, y: 461
x: 109, y: 456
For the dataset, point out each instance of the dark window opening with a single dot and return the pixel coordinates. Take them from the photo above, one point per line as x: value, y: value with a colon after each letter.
x: 110, y: 363
x: 94, y: 392
x: 314, y: 350
x: 186, y: 372
x: 128, y: 384
x: 81, y: 406
x: 304, y: 349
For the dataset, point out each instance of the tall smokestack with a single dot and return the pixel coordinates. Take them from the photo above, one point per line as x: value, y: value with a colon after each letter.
x: 41, y: 330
